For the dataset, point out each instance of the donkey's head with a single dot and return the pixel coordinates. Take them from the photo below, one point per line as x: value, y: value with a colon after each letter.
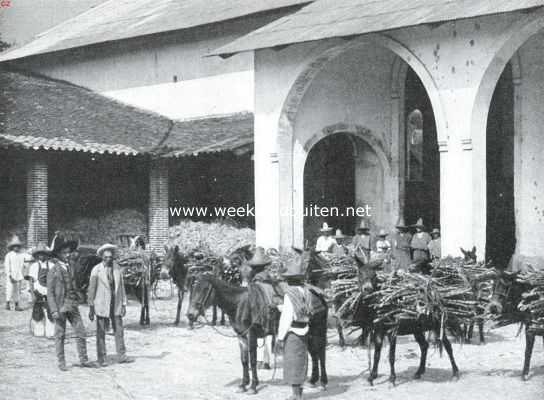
x: 367, y: 273
x: 469, y: 255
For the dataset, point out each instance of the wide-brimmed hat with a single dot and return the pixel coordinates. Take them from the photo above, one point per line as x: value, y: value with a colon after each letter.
x: 14, y: 241
x: 42, y: 249
x: 363, y: 226
x: 325, y: 227
x: 400, y: 223
x: 59, y: 244
x: 339, y: 234
x: 419, y: 223
x: 435, y: 231
x: 382, y: 233
x: 294, y: 270
x: 104, y: 247
x: 259, y: 259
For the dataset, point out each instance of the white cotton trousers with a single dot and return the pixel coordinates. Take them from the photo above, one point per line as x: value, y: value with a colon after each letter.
x: 13, y: 290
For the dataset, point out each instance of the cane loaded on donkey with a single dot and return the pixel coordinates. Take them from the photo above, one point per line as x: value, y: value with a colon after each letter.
x: 41, y: 323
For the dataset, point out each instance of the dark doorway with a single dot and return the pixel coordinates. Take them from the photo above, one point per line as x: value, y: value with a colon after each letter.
x: 329, y: 181
x: 501, y: 220
x: 422, y: 177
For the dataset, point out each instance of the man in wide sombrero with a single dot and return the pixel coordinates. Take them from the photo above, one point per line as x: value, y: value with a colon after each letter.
x: 63, y: 301
x: 420, y: 242
x: 42, y: 322
x: 401, y: 246
x: 293, y: 329
x: 14, y: 263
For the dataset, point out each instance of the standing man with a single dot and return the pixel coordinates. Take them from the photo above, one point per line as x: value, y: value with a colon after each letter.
x: 108, y: 300
x: 293, y: 329
x: 63, y: 301
x: 42, y: 323
x: 435, y: 246
x: 420, y: 242
x: 14, y: 264
x: 362, y: 241
x: 325, y: 243
x: 401, y: 246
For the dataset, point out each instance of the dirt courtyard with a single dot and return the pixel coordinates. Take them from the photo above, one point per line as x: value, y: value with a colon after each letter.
x: 177, y: 363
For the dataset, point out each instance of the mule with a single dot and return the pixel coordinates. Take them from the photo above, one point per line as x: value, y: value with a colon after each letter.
x: 315, y: 276
x: 248, y: 326
x: 507, y: 294
x: 364, y: 318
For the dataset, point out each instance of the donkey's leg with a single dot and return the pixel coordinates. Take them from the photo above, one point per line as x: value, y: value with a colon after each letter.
x: 449, y: 350
x: 481, y: 331
x: 423, y: 346
x: 529, y: 344
x: 222, y: 317
x: 252, y: 339
x: 214, y: 315
x: 322, y: 361
x: 470, y: 333
x: 181, y: 293
x: 147, y: 320
x: 244, y: 358
x: 340, y: 330
x: 377, y: 339
x: 392, y: 350
x: 314, y: 355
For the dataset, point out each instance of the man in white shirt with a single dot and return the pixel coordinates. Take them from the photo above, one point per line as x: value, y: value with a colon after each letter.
x: 42, y: 323
x: 14, y: 263
x: 326, y: 242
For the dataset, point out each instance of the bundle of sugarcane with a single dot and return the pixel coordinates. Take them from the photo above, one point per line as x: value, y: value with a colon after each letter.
x: 533, y: 300
x: 220, y: 238
x: 412, y: 296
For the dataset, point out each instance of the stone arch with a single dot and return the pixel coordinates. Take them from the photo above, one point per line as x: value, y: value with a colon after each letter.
x: 293, y: 100
x: 353, y: 131
x: 507, y: 51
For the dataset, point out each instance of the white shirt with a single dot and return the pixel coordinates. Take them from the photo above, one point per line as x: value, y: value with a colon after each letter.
x: 14, y: 265
x: 287, y: 318
x: 382, y: 246
x: 324, y: 243
x: 33, y: 272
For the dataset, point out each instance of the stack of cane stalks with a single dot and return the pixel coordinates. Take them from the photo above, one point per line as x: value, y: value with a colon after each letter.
x: 533, y: 300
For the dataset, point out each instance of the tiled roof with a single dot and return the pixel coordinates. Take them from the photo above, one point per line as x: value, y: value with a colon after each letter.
x: 122, y: 19
x: 38, y: 113
x: 336, y: 18
x: 210, y: 135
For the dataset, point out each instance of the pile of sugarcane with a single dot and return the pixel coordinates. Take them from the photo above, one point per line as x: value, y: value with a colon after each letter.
x: 533, y: 300
x: 137, y: 265
x: 412, y: 296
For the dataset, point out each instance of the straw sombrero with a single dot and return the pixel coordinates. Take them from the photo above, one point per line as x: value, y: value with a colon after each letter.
x: 294, y: 270
x: 382, y: 233
x: 363, y: 226
x: 259, y: 259
x: 400, y: 223
x: 435, y: 231
x: 339, y: 234
x: 419, y: 223
x: 15, y: 241
x: 41, y: 248
x: 104, y: 247
x: 325, y: 228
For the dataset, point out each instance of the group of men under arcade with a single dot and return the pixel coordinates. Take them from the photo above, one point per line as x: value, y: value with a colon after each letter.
x: 398, y: 252
x: 52, y: 285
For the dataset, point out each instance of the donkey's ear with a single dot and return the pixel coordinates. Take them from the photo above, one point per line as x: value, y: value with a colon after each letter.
x: 463, y: 250
x: 474, y: 249
x: 177, y: 249
x: 297, y: 250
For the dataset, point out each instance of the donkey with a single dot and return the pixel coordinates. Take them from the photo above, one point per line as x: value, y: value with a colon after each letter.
x: 507, y: 294
x: 365, y: 316
x: 175, y: 266
x: 250, y: 325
